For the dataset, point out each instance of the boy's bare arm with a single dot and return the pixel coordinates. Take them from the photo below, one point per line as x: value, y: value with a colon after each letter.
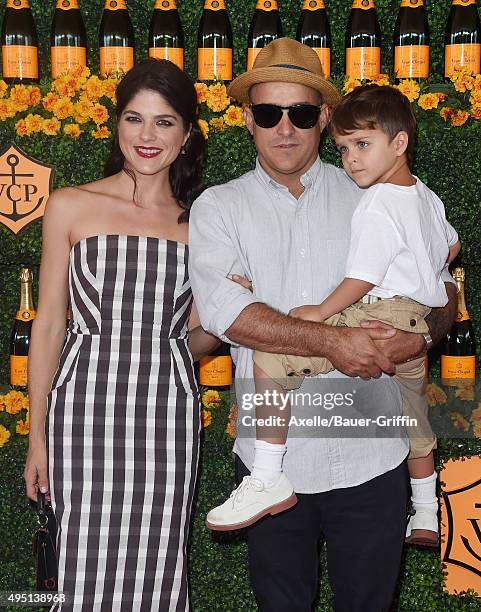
x: 453, y: 251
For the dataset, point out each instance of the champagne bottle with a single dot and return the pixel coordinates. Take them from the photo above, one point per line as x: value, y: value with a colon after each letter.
x: 19, y: 43
x: 68, y: 38
x: 265, y: 27
x: 215, y: 370
x: 116, y: 38
x: 458, y: 359
x: 20, y: 338
x: 214, y: 43
x: 313, y: 30
x: 363, y: 41
x: 411, y: 41
x: 166, y: 37
x: 462, y: 39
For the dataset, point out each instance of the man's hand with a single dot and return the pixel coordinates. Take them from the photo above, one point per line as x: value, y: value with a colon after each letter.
x: 404, y: 346
x: 356, y: 354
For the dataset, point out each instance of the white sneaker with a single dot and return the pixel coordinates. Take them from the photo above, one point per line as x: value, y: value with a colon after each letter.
x: 250, y: 502
x: 422, y: 527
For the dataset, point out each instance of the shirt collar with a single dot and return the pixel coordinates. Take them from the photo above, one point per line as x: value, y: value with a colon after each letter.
x: 307, y: 179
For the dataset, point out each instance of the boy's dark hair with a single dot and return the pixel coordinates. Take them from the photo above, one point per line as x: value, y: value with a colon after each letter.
x: 376, y: 107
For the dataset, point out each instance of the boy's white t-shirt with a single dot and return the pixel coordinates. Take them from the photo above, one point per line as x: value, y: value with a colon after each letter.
x: 400, y: 241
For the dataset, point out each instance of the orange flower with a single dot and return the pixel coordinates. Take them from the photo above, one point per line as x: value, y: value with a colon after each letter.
x: 201, y: 89
x: 3, y: 88
x: 4, y: 435
x: 459, y: 118
x: 465, y: 392
x: 21, y: 128
x: 428, y: 101
x: 350, y: 84
x: 80, y: 72
x: 51, y: 126
x: 35, y: 96
x: 99, y: 113
x: 101, y: 132
x: 73, y: 130
x: 441, y: 96
x: 204, y: 128
x: 7, y: 109
x: 476, y: 415
x: 110, y: 87
x: 217, y: 124
x: 476, y: 111
x: 65, y: 86
x: 381, y: 79
x: 23, y: 427
x: 34, y: 123
x: 409, y: 88
x: 463, y: 82
x: 63, y: 108
x: 49, y: 100
x: 14, y: 402
x: 459, y: 421
x: 20, y: 96
x: 446, y: 112
x: 94, y: 88
x: 206, y: 417
x: 231, y: 425
x: 234, y: 116
x: 217, y: 98
x: 475, y: 97
x: 82, y: 110
x: 435, y: 395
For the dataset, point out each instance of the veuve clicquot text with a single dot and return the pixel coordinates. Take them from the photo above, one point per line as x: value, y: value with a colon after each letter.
x: 19, y: 43
x: 313, y: 30
x: 20, y: 339
x: 458, y: 359
x: 265, y: 27
x: 166, y: 36
x: 116, y: 38
x: 462, y: 39
x: 68, y: 38
x: 214, y: 55
x: 363, y: 41
x: 215, y: 370
x: 411, y: 41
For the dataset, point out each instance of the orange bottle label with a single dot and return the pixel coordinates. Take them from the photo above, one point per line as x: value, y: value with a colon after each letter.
x: 18, y: 4
x: 25, y: 314
x: 462, y: 56
x: 165, y: 5
x: 116, y: 59
x: 174, y: 54
x: 455, y: 368
x: 463, y: 2
x: 18, y: 370
x: 66, y: 5
x: 313, y: 5
x: 20, y: 61
x: 412, y: 62
x: 363, y: 4
x: 324, y: 55
x: 67, y: 58
x: 251, y: 56
x: 363, y: 62
x: 214, y: 5
x: 267, y: 5
x: 411, y: 3
x: 215, y: 371
x: 215, y: 64
x: 116, y: 5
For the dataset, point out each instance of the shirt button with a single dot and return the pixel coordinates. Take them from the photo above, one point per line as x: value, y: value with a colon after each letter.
x: 302, y: 252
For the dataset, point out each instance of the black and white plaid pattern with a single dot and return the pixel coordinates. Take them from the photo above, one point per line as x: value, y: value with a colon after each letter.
x: 122, y: 427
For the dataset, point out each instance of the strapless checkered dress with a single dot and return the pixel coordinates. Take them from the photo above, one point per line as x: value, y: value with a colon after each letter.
x: 122, y: 427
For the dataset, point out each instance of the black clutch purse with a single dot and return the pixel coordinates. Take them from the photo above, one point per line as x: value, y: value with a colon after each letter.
x: 44, y: 549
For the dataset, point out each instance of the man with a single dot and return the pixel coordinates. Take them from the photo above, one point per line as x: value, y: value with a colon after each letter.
x: 286, y: 227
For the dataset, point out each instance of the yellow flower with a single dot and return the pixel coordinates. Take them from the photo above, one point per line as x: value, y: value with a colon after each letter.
x: 3, y: 88
x: 206, y: 418
x: 435, y: 395
x: 381, y: 79
x: 231, y: 424
x: 51, y: 126
x: 20, y: 96
x: 204, y: 128
x: 65, y: 86
x: 477, y: 430
x: 82, y: 110
x: 35, y: 95
x: 464, y: 82
x: 459, y: 421
x: 350, y: 84
x: 7, y: 109
x: 2, y: 403
x: 63, y: 108
x: 428, y: 101
x: 409, y: 88
x: 110, y: 87
x: 94, y: 88
x: 101, y: 132
x: 99, y: 113
x: 14, y: 402
x: 446, y: 113
x: 80, y: 72
x: 49, y: 100
x: 217, y: 98
x: 211, y: 398
x: 234, y: 116
x: 73, y: 130
x: 201, y: 89
x: 465, y: 392
x: 459, y: 118
x: 476, y: 111
x: 23, y: 427
x: 21, y: 128
x: 217, y: 124
x: 34, y: 123
x: 475, y: 97
x: 476, y: 415
x: 4, y: 435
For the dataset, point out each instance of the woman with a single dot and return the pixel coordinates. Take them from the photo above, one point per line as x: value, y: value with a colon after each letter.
x: 115, y: 434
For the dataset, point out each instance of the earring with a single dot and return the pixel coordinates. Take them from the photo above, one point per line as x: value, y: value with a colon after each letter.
x: 182, y: 150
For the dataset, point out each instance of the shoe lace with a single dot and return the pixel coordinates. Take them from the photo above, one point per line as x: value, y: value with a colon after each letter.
x: 248, y: 482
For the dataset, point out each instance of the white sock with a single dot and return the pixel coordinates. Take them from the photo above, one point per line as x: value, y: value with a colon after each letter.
x: 424, y: 492
x: 267, y: 466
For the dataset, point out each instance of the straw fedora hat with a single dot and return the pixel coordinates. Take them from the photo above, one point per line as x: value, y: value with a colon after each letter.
x: 285, y: 60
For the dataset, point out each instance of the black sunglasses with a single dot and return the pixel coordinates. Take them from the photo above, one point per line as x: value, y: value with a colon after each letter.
x: 303, y: 116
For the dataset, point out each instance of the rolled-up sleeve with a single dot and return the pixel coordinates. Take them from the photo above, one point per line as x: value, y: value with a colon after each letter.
x: 213, y: 257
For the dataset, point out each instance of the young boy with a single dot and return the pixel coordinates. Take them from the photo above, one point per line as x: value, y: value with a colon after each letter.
x: 400, y: 243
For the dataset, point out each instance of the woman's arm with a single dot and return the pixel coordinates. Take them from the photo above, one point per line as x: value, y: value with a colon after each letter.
x: 200, y: 342
x: 48, y: 332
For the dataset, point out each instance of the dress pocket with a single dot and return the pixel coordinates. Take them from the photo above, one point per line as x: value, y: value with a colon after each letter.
x: 67, y: 363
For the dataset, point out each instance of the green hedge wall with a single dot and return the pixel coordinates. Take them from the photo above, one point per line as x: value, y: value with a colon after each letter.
x: 448, y: 160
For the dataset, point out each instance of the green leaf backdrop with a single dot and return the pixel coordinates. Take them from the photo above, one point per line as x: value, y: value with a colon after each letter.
x: 448, y: 160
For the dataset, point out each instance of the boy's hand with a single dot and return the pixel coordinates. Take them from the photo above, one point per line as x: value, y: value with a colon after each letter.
x: 307, y: 313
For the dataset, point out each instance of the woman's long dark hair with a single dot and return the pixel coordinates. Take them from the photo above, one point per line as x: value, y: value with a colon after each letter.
x: 176, y: 87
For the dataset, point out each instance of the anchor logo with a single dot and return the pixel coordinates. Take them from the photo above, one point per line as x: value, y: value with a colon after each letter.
x: 25, y: 184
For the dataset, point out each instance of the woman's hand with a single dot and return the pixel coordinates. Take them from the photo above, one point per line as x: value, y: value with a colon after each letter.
x: 35, y: 472
x: 243, y: 281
